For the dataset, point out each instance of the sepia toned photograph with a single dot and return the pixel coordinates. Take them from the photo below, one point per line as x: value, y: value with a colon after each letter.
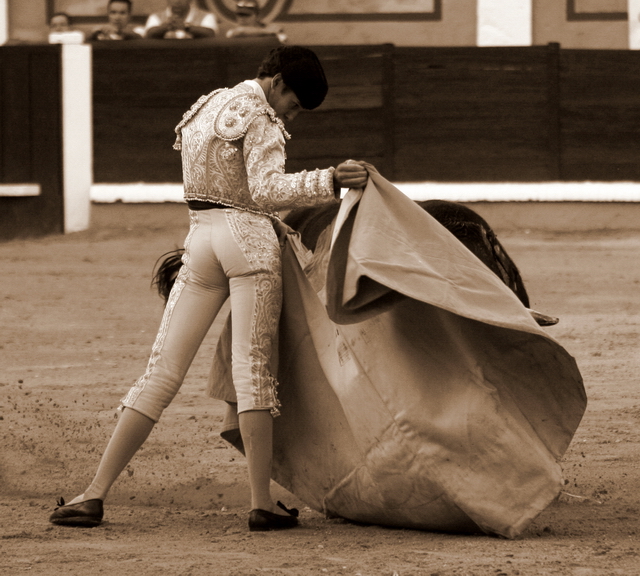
x: 301, y: 288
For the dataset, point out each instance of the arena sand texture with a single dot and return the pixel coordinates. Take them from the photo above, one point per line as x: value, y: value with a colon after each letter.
x: 78, y: 318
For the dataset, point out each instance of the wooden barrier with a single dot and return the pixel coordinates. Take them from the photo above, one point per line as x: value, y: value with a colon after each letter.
x: 45, y: 139
x: 30, y: 141
x: 473, y: 115
x: 356, y: 119
x: 600, y: 116
x: 140, y: 91
x: 519, y: 114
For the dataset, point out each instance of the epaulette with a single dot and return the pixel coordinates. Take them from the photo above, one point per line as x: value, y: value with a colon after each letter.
x: 190, y: 114
x: 235, y: 116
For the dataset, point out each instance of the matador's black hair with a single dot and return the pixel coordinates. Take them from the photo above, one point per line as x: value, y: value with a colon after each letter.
x: 301, y: 71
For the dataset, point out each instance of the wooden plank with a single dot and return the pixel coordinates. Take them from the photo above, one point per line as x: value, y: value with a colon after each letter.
x: 348, y: 133
x: 466, y: 114
x: 134, y: 121
x: 31, y: 140
x: 335, y: 124
x: 45, y: 95
x: 140, y: 94
x: 600, y: 115
x: 155, y: 78
x: 136, y: 144
x: 352, y: 98
x: 554, y: 128
x: 295, y: 165
x: 389, y: 97
x: 16, y: 120
x: 358, y: 70
x: 345, y: 147
x: 459, y: 113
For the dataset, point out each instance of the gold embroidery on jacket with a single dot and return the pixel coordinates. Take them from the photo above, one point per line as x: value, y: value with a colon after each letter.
x: 257, y: 239
x: 233, y: 153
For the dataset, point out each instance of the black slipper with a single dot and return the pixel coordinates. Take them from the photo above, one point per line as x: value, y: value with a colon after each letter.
x: 86, y: 514
x: 262, y: 520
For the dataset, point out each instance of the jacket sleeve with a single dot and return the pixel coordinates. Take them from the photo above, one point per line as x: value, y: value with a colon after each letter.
x: 269, y: 186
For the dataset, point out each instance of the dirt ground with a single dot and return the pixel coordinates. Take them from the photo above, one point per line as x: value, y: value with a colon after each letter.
x: 77, y: 321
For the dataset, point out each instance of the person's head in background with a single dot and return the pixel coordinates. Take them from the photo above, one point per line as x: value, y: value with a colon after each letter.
x: 247, y: 12
x: 60, y: 22
x: 119, y: 13
x: 248, y: 22
x: 179, y: 8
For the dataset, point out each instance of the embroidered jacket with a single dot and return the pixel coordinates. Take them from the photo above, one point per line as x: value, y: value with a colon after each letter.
x: 233, y: 154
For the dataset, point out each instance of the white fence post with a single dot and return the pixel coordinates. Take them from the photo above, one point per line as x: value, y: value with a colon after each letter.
x: 504, y: 23
x: 4, y: 21
x: 77, y: 136
x: 633, y: 8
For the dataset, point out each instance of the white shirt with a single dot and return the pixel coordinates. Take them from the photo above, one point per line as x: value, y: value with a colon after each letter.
x: 257, y: 89
x: 209, y: 20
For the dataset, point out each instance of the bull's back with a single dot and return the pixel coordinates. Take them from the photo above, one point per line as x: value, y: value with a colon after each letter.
x: 463, y: 222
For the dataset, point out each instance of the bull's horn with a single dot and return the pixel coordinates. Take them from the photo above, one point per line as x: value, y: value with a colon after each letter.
x: 543, y: 319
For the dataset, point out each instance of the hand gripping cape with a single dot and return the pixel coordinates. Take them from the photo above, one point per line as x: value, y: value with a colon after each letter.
x: 417, y: 391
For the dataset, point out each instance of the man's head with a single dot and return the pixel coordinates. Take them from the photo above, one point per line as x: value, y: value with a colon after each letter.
x: 300, y: 71
x: 179, y: 7
x: 247, y: 8
x: 119, y: 13
x: 59, y: 22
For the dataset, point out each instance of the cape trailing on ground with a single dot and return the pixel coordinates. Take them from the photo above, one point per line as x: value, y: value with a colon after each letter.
x: 417, y: 390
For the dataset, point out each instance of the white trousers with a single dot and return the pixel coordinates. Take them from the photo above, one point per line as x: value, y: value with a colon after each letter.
x: 228, y: 253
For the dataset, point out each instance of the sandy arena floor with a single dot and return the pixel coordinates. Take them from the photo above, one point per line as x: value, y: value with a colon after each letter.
x: 78, y: 318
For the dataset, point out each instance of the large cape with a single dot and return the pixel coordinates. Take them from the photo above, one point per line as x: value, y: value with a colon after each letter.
x: 417, y: 391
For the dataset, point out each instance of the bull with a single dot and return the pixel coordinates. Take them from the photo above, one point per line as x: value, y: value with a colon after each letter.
x: 465, y: 224
x: 404, y: 417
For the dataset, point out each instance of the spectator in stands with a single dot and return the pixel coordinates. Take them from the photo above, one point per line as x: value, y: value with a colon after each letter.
x: 61, y: 32
x: 248, y: 22
x: 117, y: 28
x: 181, y: 20
x: 60, y: 22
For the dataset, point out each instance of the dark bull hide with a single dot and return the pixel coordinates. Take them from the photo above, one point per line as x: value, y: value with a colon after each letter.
x: 465, y: 224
